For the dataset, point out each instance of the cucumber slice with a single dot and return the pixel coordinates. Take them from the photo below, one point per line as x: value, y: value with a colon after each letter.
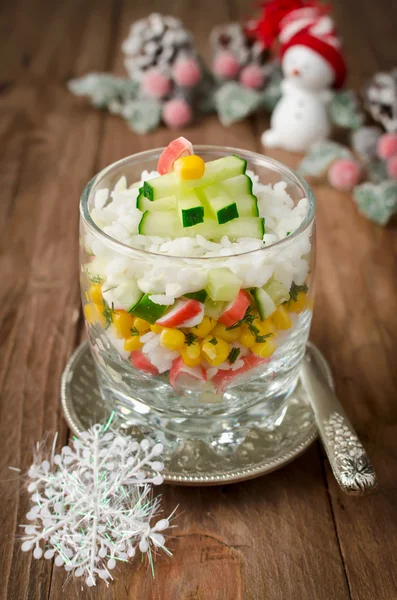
x: 265, y: 304
x: 223, y: 285
x: 224, y: 209
x: 163, y: 224
x: 201, y: 295
x: 128, y: 294
x: 215, y: 170
x: 148, y: 310
x: 164, y: 204
x: 190, y: 210
x: 213, y: 309
x: 253, y: 227
x: 238, y: 186
x: 247, y: 206
x: 277, y: 292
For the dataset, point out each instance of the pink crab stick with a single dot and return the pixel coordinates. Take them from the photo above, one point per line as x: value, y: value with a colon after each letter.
x: 236, y: 309
x: 222, y: 379
x: 184, y: 377
x: 141, y: 362
x: 182, y: 314
x: 176, y: 149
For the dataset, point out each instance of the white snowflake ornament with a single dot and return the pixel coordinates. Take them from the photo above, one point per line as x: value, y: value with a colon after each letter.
x: 92, y: 504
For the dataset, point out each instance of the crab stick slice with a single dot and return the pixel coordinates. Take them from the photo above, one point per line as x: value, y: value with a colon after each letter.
x: 185, y: 313
x: 236, y: 309
x: 176, y: 149
x: 184, y: 377
x: 141, y: 362
x: 223, y: 379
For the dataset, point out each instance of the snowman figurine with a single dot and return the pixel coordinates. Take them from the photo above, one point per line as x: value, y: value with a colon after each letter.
x: 312, y: 64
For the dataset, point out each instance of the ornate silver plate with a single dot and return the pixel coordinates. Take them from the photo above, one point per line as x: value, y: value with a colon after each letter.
x: 194, y: 463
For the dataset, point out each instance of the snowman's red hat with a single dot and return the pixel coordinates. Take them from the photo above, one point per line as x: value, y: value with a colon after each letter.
x: 312, y: 27
x: 302, y: 22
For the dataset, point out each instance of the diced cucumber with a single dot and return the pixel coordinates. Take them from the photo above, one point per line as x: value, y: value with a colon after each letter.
x: 163, y: 224
x: 265, y: 304
x: 148, y: 310
x: 134, y: 185
x: 277, y: 292
x: 190, y: 210
x: 247, y: 206
x: 253, y: 227
x: 219, y: 204
x: 164, y: 204
x: 201, y: 295
x: 215, y: 170
x: 97, y: 267
x: 238, y: 186
x: 223, y: 285
x: 127, y: 293
x: 213, y: 309
x: 162, y: 186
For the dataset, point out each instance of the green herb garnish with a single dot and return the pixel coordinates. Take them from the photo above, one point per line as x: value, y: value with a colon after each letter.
x: 295, y: 289
x: 108, y: 313
x: 233, y: 355
x: 190, y: 339
x: 288, y: 233
x: 256, y: 333
x: 134, y: 331
x: 213, y: 341
x: 96, y: 279
x: 247, y: 318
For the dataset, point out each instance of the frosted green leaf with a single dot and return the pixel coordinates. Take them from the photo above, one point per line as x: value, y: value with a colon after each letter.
x: 104, y: 90
x: 235, y: 102
x: 142, y: 115
x: 320, y: 157
x: 364, y: 141
x: 345, y: 110
x: 272, y: 92
x: 377, y: 202
x: 376, y: 170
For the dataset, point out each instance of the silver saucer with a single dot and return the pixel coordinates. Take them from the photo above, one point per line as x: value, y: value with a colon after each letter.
x: 194, y: 463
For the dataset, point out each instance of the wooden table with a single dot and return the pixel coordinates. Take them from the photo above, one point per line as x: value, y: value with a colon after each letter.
x: 291, y: 535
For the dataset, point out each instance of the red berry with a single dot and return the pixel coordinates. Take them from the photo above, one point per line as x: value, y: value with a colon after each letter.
x: 392, y: 167
x: 226, y: 65
x: 387, y: 145
x: 156, y: 84
x: 252, y: 76
x: 177, y: 113
x: 344, y: 174
x: 186, y: 72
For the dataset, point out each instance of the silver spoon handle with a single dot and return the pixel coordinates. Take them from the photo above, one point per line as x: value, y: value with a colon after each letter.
x: 349, y: 461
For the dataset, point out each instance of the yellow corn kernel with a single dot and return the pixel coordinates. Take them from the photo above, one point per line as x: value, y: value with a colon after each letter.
x: 191, y: 355
x: 189, y: 167
x: 95, y: 293
x: 86, y: 296
x: 122, y: 323
x: 93, y: 314
x: 298, y: 305
x: 281, y: 318
x: 215, y: 350
x: 228, y: 335
x: 265, y: 349
x: 132, y: 343
x: 265, y: 327
x: 206, y: 325
x: 173, y: 339
x: 141, y: 325
x: 246, y: 338
x: 156, y: 328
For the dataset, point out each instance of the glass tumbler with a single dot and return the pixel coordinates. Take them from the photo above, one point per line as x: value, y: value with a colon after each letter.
x: 176, y: 399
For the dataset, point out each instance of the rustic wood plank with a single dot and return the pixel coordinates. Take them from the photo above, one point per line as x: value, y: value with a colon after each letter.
x: 39, y: 295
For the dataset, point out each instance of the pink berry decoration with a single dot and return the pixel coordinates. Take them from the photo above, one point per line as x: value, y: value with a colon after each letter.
x: 344, y: 174
x: 252, y: 76
x: 387, y: 145
x: 186, y: 72
x: 225, y: 65
x: 177, y: 113
x: 156, y: 84
x: 392, y: 167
